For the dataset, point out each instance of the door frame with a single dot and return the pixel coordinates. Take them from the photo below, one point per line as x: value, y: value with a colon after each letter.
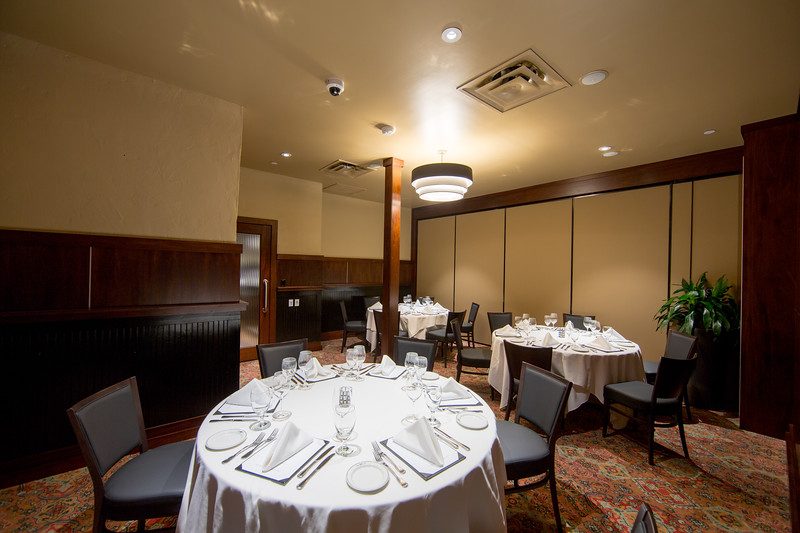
x: 272, y: 297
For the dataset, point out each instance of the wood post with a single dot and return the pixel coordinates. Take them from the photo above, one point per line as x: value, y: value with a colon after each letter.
x: 390, y: 295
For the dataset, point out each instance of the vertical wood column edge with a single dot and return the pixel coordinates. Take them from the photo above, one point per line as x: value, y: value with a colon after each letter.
x: 391, y: 251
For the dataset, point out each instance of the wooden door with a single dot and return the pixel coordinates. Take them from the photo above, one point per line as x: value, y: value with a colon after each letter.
x: 258, y: 238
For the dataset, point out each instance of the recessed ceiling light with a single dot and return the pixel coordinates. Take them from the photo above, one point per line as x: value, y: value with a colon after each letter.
x: 610, y: 153
x: 710, y: 132
x: 604, y: 148
x: 594, y: 77
x: 451, y: 35
x: 273, y: 162
x: 286, y: 154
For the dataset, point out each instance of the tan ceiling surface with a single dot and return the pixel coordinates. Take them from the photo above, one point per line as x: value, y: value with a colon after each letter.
x: 676, y: 68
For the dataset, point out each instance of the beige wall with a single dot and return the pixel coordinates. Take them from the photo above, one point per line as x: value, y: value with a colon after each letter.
x: 681, y: 261
x: 435, y: 256
x: 85, y: 147
x: 716, y: 229
x: 296, y: 205
x: 479, y: 266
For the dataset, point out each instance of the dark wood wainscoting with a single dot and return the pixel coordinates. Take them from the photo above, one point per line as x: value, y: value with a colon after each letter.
x: 81, y: 312
x: 301, y: 319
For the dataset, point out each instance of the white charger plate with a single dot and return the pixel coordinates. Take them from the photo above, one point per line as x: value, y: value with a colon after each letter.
x: 368, y: 477
x: 472, y: 420
x: 225, y: 440
x: 430, y: 376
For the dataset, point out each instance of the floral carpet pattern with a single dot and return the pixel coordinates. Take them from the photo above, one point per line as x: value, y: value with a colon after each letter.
x: 734, y: 481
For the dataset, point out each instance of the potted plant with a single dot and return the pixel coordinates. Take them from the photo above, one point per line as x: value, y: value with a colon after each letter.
x: 709, y: 312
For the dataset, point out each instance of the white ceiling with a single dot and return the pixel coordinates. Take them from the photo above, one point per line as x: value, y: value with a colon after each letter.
x: 676, y: 69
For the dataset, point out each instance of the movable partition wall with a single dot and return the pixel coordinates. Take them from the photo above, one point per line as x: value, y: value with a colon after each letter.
x: 616, y: 255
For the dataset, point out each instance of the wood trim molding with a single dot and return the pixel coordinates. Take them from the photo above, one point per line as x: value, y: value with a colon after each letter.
x: 121, y: 312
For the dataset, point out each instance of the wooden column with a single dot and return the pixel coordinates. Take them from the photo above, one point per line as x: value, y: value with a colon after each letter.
x: 391, y: 253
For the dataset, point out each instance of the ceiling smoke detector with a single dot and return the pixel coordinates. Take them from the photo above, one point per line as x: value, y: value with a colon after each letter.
x: 594, y: 77
x: 386, y: 129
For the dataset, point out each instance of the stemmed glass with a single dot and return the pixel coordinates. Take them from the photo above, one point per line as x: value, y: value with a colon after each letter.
x: 517, y: 320
x: 351, y: 357
x: 280, y: 390
x: 550, y: 319
x: 411, y: 363
x: 422, y: 366
x: 289, y: 368
x: 433, y: 397
x: 344, y: 412
x: 413, y: 391
x: 587, y: 323
x: 259, y: 401
x: 361, y: 356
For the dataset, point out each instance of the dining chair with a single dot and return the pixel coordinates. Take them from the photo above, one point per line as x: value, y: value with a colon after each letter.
x: 443, y: 335
x: 350, y: 326
x: 498, y: 320
x: 679, y: 346
x: 577, y: 320
x: 542, y: 399
x: 516, y: 354
x: 376, y: 351
x: 109, y: 425
x: 645, y: 521
x: 470, y: 357
x: 792, y: 452
x: 661, y: 400
x: 468, y: 327
x: 369, y: 301
x: 403, y: 345
x: 271, y: 355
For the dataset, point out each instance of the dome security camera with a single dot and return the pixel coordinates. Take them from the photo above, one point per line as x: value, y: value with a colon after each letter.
x: 335, y: 86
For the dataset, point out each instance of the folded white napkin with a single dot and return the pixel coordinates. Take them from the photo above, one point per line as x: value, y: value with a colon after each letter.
x: 387, y: 365
x: 601, y: 343
x: 614, y: 335
x: 453, y: 390
x: 507, y: 331
x: 314, y: 369
x: 242, y: 396
x: 438, y: 307
x: 548, y: 340
x: 292, y: 440
x: 419, y: 438
x: 377, y: 306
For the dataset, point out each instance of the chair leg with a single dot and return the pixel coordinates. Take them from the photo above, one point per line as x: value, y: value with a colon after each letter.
x: 140, y: 524
x: 651, y: 435
x: 445, y: 352
x: 510, y: 401
x: 683, y: 434
x: 491, y: 392
x: 458, y: 372
x: 686, y: 401
x: 606, y: 417
x: 344, y: 339
x: 554, y: 496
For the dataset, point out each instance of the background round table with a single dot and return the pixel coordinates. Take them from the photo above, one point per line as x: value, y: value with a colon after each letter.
x: 468, y: 496
x: 415, y: 324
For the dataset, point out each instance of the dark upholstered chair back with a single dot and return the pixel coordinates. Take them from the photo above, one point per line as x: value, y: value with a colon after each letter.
x: 455, y: 327
x: 577, y: 320
x: 343, y: 308
x: 473, y: 312
x: 378, y: 316
x: 403, y: 345
x: 516, y: 354
x: 541, y: 400
x: 109, y: 425
x: 672, y: 377
x: 498, y: 320
x: 645, y: 521
x: 454, y: 315
x: 680, y: 346
x: 271, y: 355
x: 369, y: 301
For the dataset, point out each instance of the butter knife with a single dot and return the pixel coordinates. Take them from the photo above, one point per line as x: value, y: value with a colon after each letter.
x: 317, y: 469
x: 452, y: 438
x: 311, y: 465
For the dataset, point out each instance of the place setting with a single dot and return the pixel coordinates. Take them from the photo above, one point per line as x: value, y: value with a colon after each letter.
x: 387, y: 369
x: 419, y: 447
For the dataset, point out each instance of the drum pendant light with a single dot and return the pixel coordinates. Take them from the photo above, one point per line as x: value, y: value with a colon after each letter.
x: 441, y: 182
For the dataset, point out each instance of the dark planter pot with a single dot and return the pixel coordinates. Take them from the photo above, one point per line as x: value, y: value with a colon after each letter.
x: 715, y: 382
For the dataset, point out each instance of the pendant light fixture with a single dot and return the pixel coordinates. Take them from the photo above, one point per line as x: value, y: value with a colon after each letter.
x: 441, y: 182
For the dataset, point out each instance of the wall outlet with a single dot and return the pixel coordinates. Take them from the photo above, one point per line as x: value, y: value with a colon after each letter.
x: 297, y: 302
x: 291, y: 302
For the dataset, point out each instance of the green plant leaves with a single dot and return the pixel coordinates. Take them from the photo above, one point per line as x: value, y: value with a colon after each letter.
x: 700, y: 304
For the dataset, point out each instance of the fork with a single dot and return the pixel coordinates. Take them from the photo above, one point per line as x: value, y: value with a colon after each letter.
x: 252, y: 444
x: 381, y: 458
x: 272, y: 437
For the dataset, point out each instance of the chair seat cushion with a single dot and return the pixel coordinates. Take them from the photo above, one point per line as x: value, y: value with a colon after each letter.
x: 355, y: 325
x: 437, y: 334
x: 525, y: 452
x: 477, y: 357
x: 467, y: 326
x: 155, y: 477
x: 636, y: 394
x: 650, y: 367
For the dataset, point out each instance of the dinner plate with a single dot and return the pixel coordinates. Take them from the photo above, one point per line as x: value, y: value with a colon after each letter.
x: 367, y: 477
x: 472, y: 420
x: 430, y: 376
x: 225, y: 440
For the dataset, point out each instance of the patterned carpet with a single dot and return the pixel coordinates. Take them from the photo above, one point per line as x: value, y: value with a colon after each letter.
x: 735, y: 481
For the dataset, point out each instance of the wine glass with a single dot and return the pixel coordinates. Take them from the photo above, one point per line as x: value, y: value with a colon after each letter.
x: 350, y: 357
x: 259, y: 401
x: 410, y: 363
x: 344, y: 419
x: 598, y: 328
x: 280, y: 390
x: 289, y: 368
x: 433, y: 397
x: 587, y: 323
x: 517, y: 320
x: 422, y: 366
x: 361, y: 356
x: 413, y: 391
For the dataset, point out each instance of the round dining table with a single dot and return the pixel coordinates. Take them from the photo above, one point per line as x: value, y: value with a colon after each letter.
x: 467, y: 496
x: 589, y: 370
x: 414, y: 320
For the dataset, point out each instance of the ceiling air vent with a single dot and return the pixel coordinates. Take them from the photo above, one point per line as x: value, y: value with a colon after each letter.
x: 341, y: 167
x: 519, y: 80
x: 344, y: 189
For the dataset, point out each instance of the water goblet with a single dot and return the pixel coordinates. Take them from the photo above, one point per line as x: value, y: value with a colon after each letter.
x: 361, y: 356
x: 280, y: 390
x: 413, y: 391
x: 351, y: 357
x: 259, y: 401
x: 587, y: 322
x: 410, y: 363
x: 345, y: 415
x: 433, y: 397
x: 289, y: 368
x: 422, y: 366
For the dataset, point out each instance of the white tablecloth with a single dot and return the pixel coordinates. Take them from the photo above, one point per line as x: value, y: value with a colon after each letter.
x: 467, y: 497
x: 414, y: 323
x: 588, y: 372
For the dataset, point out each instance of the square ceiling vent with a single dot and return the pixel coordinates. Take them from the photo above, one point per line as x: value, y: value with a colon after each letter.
x: 343, y: 189
x: 515, y: 82
x: 340, y: 168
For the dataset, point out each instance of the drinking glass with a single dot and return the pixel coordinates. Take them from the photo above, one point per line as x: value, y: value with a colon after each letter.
x: 289, y: 369
x: 517, y: 320
x: 280, y: 390
x: 259, y: 401
x: 351, y: 357
x: 422, y: 366
x: 361, y: 356
x: 598, y: 328
x: 344, y: 419
x: 413, y: 391
x: 587, y: 323
x: 410, y: 363
x: 433, y: 397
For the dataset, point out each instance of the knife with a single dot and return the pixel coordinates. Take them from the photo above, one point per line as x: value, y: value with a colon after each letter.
x: 317, y: 469
x: 447, y: 441
x: 235, y: 420
x: 388, y: 459
x: 364, y: 371
x: 452, y: 439
x: 379, y: 455
x: 306, y: 469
